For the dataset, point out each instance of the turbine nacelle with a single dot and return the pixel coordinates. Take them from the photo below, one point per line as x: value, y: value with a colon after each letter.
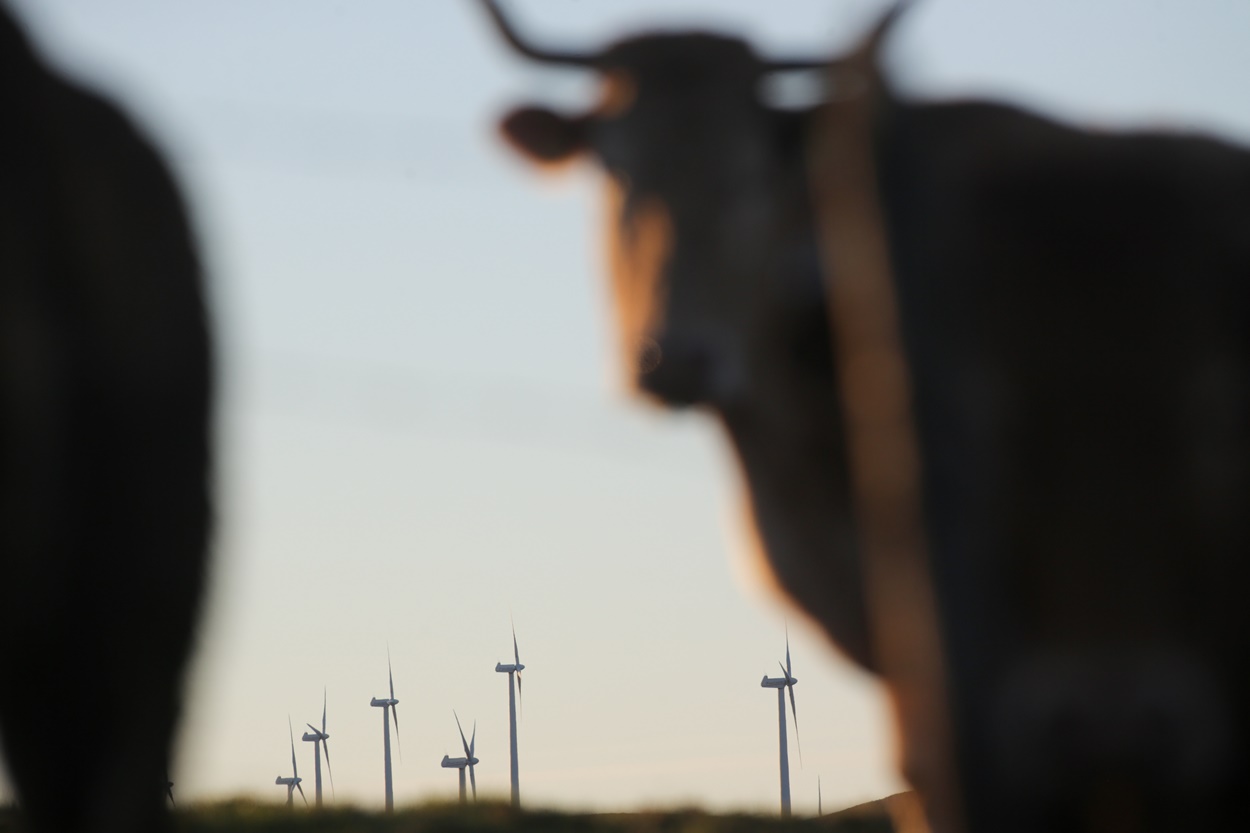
x: 383, y: 702
x: 500, y: 667
x: 287, y: 782
x: 777, y: 682
x: 317, y: 734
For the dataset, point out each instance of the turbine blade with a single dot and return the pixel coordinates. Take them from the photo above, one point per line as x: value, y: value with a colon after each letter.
x: 516, y: 652
x: 520, y: 698
x: 323, y: 711
x: 169, y: 790
x: 398, y: 742
x: 390, y: 674
x: 325, y: 744
x: 820, y: 805
x: 473, y: 739
x: 292, y: 731
x: 463, y: 742
x: 473, y: 781
x: 310, y: 726
x: 301, y: 793
x: 787, y: 651
x: 794, y: 711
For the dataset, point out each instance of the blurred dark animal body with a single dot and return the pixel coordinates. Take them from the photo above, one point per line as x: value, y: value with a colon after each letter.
x: 104, y: 435
x: 1075, y: 311
x: 1075, y: 327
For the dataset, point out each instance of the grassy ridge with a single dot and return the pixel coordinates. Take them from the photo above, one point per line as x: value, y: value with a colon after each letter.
x: 486, y: 817
x: 254, y: 817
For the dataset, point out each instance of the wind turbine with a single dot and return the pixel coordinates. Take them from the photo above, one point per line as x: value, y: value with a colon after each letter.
x: 386, y: 731
x: 467, y: 761
x: 319, y: 738
x: 291, y: 783
x: 514, y: 691
x: 782, y: 683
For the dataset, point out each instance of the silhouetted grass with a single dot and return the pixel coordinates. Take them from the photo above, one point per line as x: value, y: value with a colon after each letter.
x: 252, y: 817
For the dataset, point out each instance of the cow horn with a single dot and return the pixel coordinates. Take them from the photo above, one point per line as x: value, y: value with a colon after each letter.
x: 868, y: 46
x: 546, y: 56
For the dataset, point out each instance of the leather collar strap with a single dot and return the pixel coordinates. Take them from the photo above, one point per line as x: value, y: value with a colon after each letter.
x: 881, y: 436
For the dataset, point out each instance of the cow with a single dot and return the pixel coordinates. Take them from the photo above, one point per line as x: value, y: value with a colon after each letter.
x: 987, y: 378
x: 105, y: 380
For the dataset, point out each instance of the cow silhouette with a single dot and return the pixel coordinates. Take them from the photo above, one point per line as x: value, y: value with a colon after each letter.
x: 104, y: 453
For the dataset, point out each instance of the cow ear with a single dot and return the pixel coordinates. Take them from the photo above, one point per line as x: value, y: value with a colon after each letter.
x: 543, y: 136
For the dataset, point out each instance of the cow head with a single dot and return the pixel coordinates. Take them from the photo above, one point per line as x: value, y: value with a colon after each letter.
x: 707, y: 202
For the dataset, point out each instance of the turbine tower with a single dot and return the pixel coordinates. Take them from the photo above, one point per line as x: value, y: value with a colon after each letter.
x: 383, y: 704
x: 467, y: 761
x: 514, y: 692
x: 782, y: 683
x: 320, y: 739
x: 293, y: 782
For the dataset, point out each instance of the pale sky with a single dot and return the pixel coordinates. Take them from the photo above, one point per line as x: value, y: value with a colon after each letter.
x: 419, y: 431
